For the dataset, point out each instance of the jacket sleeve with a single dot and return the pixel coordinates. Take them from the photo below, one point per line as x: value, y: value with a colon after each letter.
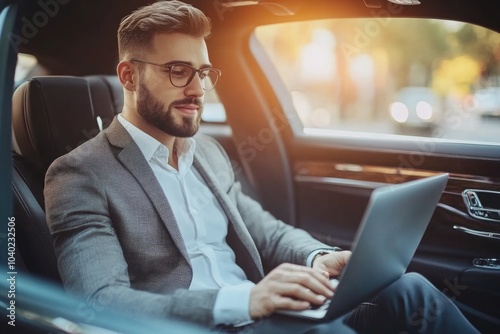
x: 90, y: 258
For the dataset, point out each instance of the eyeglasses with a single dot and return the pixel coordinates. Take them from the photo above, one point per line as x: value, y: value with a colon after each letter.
x: 181, y: 75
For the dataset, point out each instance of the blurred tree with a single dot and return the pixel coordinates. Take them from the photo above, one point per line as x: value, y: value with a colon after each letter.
x: 456, y: 77
x: 484, y: 46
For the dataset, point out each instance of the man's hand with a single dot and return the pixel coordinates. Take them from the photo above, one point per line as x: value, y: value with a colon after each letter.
x: 290, y: 287
x: 332, y: 263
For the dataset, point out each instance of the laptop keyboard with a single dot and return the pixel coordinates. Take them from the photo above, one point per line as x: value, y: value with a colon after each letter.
x: 334, y: 282
x: 323, y: 306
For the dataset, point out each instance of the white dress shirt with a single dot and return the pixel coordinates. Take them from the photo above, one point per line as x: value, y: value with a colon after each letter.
x: 203, y: 226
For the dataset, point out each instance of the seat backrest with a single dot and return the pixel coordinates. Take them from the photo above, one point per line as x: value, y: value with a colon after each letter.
x: 53, y: 115
x: 50, y: 117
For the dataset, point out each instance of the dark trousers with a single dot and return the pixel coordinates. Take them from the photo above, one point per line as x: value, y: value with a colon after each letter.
x: 409, y: 305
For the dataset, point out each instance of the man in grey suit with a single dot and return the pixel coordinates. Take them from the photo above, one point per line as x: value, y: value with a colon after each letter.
x: 149, y: 220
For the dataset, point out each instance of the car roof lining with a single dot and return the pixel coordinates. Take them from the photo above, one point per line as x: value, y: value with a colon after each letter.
x: 87, y: 30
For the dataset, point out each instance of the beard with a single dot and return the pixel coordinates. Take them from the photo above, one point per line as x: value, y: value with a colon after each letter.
x: 154, y: 113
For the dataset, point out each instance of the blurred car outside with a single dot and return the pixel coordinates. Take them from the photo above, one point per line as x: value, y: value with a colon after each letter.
x: 486, y: 102
x: 416, y: 107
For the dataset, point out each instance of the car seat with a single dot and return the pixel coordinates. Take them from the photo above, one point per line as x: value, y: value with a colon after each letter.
x: 50, y: 117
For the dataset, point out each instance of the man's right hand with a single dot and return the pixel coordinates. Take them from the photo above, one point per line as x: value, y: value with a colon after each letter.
x: 290, y: 287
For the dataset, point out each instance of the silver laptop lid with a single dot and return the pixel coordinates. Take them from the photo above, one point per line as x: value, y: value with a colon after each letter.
x: 392, y: 227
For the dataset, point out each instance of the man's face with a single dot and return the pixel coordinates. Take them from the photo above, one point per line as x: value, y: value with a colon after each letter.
x: 175, y: 111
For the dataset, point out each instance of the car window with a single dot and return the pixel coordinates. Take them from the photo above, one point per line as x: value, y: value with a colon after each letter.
x: 422, y: 77
x: 25, y: 65
x: 213, y: 109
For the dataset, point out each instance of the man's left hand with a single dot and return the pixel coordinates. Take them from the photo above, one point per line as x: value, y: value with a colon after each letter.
x: 332, y: 263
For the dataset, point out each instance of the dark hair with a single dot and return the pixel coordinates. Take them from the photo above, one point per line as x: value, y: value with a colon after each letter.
x: 137, y: 30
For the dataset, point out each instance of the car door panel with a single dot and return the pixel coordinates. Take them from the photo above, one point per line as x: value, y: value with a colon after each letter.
x: 333, y: 186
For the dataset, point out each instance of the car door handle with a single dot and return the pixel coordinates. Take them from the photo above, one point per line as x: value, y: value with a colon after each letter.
x: 483, y: 204
x: 484, y: 234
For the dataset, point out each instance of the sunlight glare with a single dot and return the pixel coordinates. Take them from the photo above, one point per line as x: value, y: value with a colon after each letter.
x: 362, y: 68
x: 317, y: 59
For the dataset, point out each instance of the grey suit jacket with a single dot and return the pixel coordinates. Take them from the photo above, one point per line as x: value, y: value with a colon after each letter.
x: 118, y: 243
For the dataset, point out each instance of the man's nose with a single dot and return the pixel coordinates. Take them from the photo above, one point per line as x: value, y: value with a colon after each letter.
x: 195, y: 87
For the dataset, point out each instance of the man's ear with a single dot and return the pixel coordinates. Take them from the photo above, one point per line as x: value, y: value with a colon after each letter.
x: 127, y: 75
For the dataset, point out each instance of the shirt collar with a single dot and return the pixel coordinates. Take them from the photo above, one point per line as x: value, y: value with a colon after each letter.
x: 153, y: 149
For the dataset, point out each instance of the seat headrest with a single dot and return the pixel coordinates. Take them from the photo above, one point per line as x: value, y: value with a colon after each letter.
x: 53, y: 115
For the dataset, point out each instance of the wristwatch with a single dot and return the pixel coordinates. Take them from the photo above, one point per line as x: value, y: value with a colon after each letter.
x: 324, y: 252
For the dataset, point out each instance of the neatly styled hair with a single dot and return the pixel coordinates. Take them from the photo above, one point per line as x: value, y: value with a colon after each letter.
x: 137, y: 30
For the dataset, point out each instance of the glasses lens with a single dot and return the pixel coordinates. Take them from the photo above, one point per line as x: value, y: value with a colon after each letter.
x: 180, y: 75
x: 209, y: 78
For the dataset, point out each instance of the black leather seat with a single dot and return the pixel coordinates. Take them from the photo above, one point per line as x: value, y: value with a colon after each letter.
x: 50, y: 117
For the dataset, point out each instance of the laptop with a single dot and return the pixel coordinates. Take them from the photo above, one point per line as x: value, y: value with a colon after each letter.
x: 392, y: 226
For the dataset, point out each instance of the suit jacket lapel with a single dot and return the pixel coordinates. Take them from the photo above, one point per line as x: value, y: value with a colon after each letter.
x: 132, y: 158
x: 237, y: 232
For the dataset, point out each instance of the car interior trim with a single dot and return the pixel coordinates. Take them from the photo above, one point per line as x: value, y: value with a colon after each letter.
x: 484, y: 234
x: 337, y: 181
x: 415, y: 145
x: 8, y: 58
